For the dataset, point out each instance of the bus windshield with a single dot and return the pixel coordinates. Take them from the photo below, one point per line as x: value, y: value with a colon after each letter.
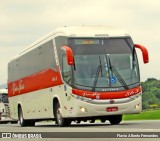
x: 104, y: 63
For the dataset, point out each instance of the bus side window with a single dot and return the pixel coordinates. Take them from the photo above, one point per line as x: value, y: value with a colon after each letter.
x: 66, y: 70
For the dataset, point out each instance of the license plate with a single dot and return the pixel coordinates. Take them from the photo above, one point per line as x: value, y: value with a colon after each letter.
x: 112, y: 109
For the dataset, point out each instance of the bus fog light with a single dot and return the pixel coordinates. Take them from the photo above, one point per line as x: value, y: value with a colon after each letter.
x: 84, y: 110
x: 137, y: 106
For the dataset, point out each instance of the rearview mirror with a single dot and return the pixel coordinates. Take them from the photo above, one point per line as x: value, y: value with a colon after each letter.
x: 69, y: 55
x: 144, y: 53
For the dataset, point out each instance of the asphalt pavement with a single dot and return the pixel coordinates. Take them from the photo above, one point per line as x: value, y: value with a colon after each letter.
x: 127, y: 130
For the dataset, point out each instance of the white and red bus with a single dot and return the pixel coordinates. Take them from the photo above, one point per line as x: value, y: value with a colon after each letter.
x: 76, y: 74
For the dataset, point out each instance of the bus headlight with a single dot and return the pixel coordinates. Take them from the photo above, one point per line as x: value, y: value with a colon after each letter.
x: 84, y: 110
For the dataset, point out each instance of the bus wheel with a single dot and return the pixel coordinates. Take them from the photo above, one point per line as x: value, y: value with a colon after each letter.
x: 23, y: 122
x: 114, y: 120
x: 59, y: 119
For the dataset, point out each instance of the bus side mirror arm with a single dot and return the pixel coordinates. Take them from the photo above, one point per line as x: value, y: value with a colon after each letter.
x: 69, y: 55
x: 144, y: 53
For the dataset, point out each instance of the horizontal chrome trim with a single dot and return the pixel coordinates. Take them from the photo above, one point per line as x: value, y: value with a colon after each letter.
x: 116, y: 101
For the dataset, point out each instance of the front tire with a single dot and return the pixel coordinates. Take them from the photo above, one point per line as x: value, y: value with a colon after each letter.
x: 115, y: 120
x: 59, y: 119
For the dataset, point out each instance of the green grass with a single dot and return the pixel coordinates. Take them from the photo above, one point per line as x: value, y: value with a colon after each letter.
x: 146, y: 115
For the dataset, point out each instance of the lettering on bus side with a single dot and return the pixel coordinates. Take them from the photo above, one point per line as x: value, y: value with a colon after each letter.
x: 132, y: 92
x: 54, y: 78
x: 18, y: 87
x: 97, y: 95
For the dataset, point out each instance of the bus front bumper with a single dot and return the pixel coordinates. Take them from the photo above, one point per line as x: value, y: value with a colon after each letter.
x: 105, y: 108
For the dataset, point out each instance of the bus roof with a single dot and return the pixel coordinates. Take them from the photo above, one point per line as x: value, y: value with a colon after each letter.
x: 91, y: 31
x: 77, y: 31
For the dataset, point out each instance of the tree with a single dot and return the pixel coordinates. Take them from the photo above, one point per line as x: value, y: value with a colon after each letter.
x: 151, y: 93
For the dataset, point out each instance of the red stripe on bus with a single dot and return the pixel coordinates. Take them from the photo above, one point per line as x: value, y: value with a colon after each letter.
x: 41, y: 80
x: 107, y: 95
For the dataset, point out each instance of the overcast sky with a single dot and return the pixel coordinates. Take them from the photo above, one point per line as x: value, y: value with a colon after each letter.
x: 24, y: 21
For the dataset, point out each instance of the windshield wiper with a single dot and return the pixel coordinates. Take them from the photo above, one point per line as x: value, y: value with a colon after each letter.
x: 97, y: 74
x: 96, y: 77
x: 117, y: 74
x: 133, y: 60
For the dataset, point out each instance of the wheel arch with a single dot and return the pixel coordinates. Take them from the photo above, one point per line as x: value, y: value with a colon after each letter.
x: 19, y: 105
x: 57, y: 99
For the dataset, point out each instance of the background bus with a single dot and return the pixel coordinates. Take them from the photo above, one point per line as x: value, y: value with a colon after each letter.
x: 76, y: 74
x: 4, y: 107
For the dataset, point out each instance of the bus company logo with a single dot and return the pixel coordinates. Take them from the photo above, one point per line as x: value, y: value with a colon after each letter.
x: 18, y: 88
x: 111, y: 101
x: 97, y: 95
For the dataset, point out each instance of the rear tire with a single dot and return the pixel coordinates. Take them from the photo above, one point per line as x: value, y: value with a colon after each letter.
x: 22, y: 122
x: 59, y: 119
x: 115, y: 120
